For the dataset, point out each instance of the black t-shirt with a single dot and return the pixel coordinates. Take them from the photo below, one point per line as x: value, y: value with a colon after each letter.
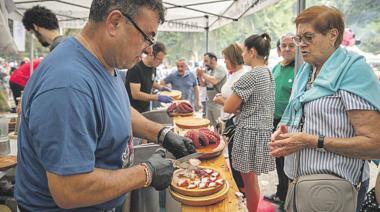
x: 145, y: 76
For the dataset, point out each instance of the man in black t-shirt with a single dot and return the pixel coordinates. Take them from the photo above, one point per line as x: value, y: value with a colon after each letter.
x: 140, y: 80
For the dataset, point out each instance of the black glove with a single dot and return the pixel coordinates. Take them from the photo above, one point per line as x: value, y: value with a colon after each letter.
x: 178, y: 145
x: 161, y: 169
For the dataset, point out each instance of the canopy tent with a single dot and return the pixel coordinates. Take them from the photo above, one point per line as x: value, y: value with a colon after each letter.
x: 6, y: 42
x: 185, y: 16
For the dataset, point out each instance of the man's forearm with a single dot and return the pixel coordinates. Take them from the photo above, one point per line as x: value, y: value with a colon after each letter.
x: 157, y: 86
x: 144, y: 128
x: 196, y: 94
x: 96, y: 187
x: 144, y: 97
x: 210, y: 79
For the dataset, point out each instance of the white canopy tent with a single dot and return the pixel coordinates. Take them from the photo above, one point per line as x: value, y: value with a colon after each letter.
x: 181, y: 16
x: 195, y: 15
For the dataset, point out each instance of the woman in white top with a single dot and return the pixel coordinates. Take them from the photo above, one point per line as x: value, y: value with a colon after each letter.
x: 234, y: 63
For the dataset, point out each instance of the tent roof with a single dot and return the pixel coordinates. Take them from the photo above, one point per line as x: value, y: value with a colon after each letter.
x: 195, y: 15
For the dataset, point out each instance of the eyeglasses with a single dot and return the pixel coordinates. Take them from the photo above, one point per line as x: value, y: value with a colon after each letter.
x: 306, y: 38
x: 149, y: 40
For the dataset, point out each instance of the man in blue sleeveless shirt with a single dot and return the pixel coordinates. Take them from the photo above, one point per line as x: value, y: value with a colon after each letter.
x: 71, y: 151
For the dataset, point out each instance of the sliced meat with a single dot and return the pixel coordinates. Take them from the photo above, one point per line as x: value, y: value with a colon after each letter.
x: 183, y: 182
x: 202, y: 185
x: 191, y: 186
x: 219, y: 182
x: 212, y: 184
x: 215, y: 174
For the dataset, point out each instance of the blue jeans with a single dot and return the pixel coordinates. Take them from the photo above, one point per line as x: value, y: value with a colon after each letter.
x: 361, y: 194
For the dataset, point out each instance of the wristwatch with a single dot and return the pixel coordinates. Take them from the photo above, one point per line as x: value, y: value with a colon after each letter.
x: 162, y: 134
x: 321, y: 141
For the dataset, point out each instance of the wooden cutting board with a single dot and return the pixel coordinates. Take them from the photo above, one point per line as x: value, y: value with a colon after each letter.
x: 212, y: 150
x: 175, y: 94
x: 180, y: 114
x: 7, y: 161
x: 195, y: 192
x: 192, y: 123
x: 203, y: 200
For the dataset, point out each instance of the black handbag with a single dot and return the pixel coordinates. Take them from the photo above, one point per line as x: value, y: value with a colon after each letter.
x: 370, y: 204
x: 229, y: 129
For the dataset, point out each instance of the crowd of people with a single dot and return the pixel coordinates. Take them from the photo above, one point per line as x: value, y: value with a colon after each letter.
x: 319, y: 122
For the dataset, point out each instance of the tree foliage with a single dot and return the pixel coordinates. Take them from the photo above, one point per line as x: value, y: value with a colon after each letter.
x: 362, y: 17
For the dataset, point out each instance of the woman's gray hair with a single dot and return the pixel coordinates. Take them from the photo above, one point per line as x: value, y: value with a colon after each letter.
x: 101, y: 8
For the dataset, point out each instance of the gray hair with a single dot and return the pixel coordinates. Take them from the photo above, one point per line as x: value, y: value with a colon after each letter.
x: 288, y: 34
x: 101, y: 8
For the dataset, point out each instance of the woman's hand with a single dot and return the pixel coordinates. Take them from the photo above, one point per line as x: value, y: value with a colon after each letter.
x: 284, y: 143
x: 219, y: 99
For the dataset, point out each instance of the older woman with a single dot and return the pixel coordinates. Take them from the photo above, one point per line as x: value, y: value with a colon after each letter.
x: 234, y: 63
x: 333, y: 113
x: 253, y: 95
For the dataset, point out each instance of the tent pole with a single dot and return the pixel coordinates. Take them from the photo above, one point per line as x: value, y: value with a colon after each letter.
x: 298, y: 58
x: 31, y: 53
x: 207, y: 31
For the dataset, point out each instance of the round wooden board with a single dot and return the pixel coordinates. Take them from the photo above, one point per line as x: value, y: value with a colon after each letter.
x: 192, y: 123
x: 180, y: 114
x: 4, y: 208
x: 204, y: 200
x: 196, y: 192
x: 7, y: 161
x: 212, y: 150
x: 175, y: 94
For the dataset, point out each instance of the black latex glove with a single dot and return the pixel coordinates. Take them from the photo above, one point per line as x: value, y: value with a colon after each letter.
x: 161, y: 169
x: 178, y: 145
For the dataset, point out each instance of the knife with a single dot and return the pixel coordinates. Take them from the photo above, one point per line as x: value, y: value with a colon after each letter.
x: 188, y: 157
x: 184, y: 161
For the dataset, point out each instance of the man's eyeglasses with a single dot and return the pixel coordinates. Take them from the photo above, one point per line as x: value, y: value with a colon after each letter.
x: 306, y: 38
x: 149, y: 40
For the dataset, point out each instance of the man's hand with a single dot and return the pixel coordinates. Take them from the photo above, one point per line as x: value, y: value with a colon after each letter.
x: 178, y: 145
x: 199, y: 72
x: 164, y: 88
x: 164, y: 99
x: 161, y: 170
x: 198, y: 106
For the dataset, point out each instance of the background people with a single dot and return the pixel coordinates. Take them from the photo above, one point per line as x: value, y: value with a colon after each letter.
x: 43, y: 23
x: 234, y: 63
x: 283, y: 74
x: 213, y: 79
x: 141, y: 79
x: 253, y: 95
x: 184, y: 81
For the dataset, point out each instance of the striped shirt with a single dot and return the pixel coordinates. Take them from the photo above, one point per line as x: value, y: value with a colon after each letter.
x: 328, y: 116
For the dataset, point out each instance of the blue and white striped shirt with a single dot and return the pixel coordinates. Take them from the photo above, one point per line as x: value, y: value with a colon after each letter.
x: 328, y: 116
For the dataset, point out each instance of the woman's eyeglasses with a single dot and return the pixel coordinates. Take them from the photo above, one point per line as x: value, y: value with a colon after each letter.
x: 306, y: 38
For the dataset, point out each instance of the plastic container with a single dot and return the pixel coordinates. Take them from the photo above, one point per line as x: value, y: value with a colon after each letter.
x: 4, y: 126
x: 5, y: 147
